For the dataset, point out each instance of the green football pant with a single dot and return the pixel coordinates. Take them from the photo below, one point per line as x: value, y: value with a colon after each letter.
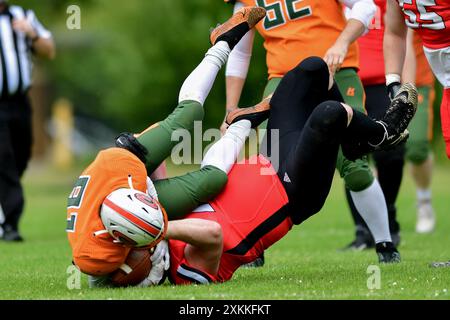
x: 180, y: 195
x: 418, y: 146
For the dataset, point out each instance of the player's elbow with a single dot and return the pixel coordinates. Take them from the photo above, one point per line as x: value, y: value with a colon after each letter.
x: 214, y: 235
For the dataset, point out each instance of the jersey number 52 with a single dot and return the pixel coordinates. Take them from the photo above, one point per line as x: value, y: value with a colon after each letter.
x: 275, y: 14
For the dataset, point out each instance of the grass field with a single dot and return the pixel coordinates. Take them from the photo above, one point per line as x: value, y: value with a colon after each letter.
x: 303, y: 265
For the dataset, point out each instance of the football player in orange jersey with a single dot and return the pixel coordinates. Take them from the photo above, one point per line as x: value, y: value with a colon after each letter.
x: 294, y: 30
x: 97, y: 249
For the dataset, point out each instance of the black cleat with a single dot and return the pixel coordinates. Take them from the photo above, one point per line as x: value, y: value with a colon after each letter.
x: 237, y: 26
x: 256, y: 114
x: 397, y: 117
x: 387, y: 253
x: 11, y: 235
x: 363, y: 241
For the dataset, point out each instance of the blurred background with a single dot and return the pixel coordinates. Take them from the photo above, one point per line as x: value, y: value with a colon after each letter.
x: 122, y: 70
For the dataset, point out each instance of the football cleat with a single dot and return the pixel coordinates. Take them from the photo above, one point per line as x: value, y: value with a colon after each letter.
x: 257, y: 263
x: 387, y: 253
x: 426, y: 219
x: 237, y: 26
x: 11, y: 235
x: 363, y: 241
x: 256, y: 114
x: 398, y: 116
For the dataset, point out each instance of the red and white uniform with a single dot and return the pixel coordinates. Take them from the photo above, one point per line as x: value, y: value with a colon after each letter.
x: 248, y: 211
x: 431, y: 19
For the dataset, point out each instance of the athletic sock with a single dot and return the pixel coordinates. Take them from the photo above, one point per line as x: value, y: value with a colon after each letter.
x: 224, y: 153
x: 372, y: 208
x: 365, y: 129
x: 423, y: 195
x: 199, y: 83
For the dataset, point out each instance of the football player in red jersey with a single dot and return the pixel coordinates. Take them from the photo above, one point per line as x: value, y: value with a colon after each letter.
x: 209, y: 244
x: 431, y: 20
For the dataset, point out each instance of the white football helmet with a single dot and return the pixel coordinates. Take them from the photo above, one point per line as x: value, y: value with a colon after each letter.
x: 134, y: 218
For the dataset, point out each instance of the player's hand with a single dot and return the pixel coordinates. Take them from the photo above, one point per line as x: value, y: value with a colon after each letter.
x: 155, y: 276
x: 393, y: 89
x: 23, y: 25
x: 335, y: 57
x: 161, y: 254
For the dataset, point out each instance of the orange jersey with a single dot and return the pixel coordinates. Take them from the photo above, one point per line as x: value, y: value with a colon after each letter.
x: 296, y: 30
x: 424, y: 74
x: 98, y: 255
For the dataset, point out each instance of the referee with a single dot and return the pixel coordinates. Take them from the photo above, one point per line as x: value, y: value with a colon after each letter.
x: 21, y: 36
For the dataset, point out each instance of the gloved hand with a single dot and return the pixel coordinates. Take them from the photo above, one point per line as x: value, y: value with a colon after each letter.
x: 161, y: 254
x: 160, y: 264
x: 393, y: 85
x: 155, y: 277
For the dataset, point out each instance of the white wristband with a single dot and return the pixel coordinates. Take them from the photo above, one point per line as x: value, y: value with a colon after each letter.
x: 392, y: 77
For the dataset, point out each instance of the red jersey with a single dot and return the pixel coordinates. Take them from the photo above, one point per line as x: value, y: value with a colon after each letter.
x: 248, y: 227
x: 371, y: 69
x: 431, y: 18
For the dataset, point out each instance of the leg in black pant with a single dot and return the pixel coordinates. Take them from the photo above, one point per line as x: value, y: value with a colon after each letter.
x: 15, y: 151
x: 310, y: 138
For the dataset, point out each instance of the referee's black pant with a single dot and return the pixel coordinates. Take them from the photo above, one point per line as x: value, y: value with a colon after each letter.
x: 15, y: 152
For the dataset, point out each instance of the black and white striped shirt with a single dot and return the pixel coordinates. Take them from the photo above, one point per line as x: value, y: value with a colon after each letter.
x: 16, y: 50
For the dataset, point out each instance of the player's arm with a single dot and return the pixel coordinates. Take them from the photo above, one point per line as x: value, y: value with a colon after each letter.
x: 394, y: 45
x: 237, y: 69
x: 410, y: 67
x: 204, y: 242
x: 360, y: 16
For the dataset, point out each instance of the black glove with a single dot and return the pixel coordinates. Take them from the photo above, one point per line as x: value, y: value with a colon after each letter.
x: 393, y: 89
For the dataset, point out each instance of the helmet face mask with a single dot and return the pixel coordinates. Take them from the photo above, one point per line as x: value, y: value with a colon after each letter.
x: 133, y: 218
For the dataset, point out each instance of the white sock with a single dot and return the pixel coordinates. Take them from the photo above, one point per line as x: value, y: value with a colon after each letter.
x: 423, y: 195
x: 224, y: 153
x: 198, y: 84
x: 372, y: 207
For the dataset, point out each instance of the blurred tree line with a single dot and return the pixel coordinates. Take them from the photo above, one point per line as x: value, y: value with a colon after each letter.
x: 128, y: 61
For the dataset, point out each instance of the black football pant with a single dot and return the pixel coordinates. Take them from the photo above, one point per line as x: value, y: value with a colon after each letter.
x: 15, y: 152
x: 311, y: 126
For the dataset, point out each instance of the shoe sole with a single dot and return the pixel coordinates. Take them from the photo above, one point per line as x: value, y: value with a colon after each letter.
x: 249, y: 15
x: 259, y: 110
x: 411, y: 91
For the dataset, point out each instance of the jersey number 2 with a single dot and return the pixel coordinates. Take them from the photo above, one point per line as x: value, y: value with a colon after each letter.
x: 275, y: 15
x: 426, y: 18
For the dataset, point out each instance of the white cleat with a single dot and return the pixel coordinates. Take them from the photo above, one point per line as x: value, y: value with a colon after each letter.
x: 426, y: 219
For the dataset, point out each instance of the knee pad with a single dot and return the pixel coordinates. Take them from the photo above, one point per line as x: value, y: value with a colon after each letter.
x: 356, y: 174
x: 418, y: 151
x: 128, y: 142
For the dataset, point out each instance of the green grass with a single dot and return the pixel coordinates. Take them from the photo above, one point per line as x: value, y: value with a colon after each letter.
x: 303, y: 265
